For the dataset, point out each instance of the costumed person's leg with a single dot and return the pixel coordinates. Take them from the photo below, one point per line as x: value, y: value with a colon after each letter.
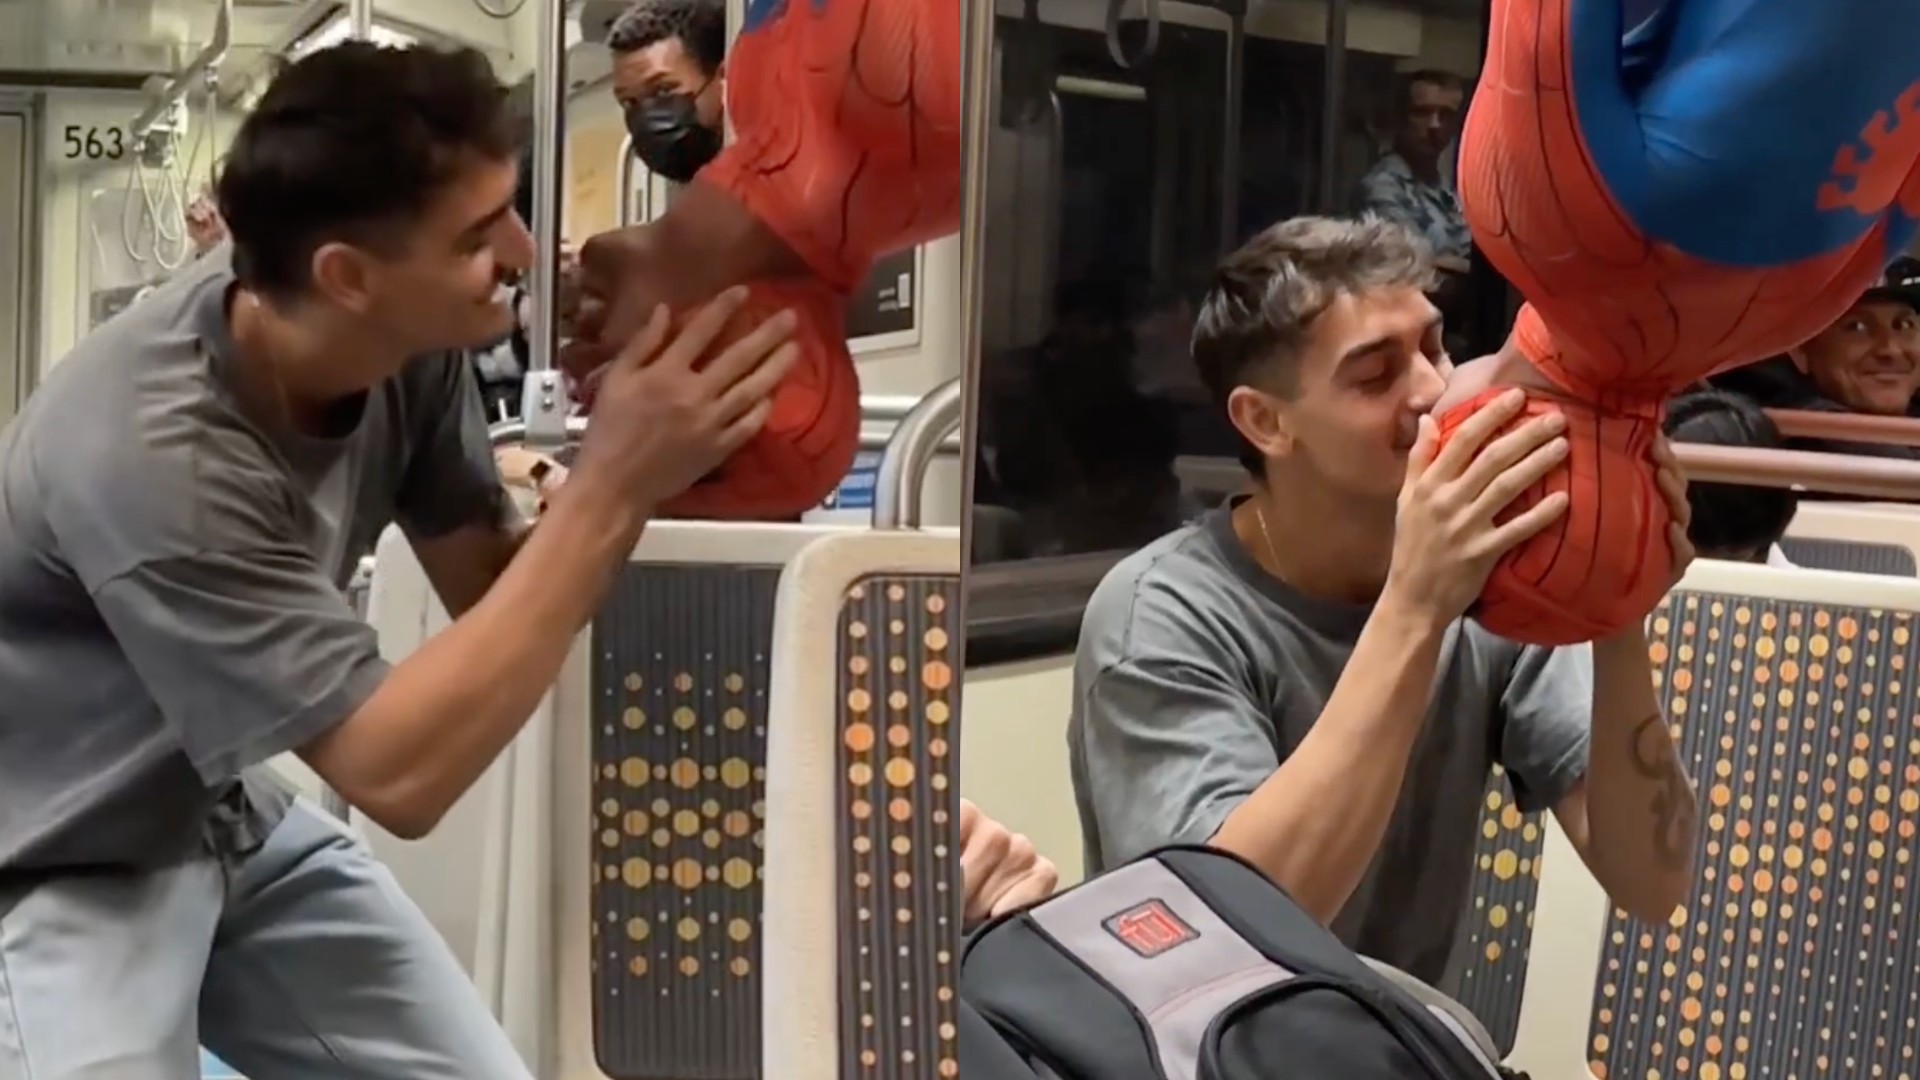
x: 1665, y: 200
x: 325, y: 968
x: 846, y: 116
x: 100, y: 974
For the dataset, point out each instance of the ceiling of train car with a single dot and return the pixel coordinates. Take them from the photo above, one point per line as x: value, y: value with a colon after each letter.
x: 69, y: 40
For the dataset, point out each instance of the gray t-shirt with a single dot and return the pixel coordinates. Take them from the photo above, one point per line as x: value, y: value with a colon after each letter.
x: 171, y: 581
x: 1198, y: 673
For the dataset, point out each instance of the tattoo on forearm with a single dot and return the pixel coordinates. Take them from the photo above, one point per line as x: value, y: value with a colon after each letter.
x: 1653, y: 758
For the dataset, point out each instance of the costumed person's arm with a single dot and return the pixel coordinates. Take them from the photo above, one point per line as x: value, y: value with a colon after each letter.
x: 1634, y: 820
x: 846, y: 116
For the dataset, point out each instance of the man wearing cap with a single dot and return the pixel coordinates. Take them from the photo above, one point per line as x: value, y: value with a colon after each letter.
x: 1867, y: 361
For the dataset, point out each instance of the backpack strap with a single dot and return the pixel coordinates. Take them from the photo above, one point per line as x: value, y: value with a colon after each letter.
x: 1160, y: 947
x: 1465, y: 1026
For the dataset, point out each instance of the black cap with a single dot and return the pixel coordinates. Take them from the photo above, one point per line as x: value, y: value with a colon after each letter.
x: 1900, y: 284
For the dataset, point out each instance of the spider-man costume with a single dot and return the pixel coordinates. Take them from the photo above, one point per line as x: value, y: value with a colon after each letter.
x: 846, y: 119
x: 1708, y: 188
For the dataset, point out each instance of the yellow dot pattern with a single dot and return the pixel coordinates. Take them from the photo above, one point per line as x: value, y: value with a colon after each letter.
x: 680, y: 671
x: 1795, y: 956
x: 1498, y: 925
x: 899, y: 803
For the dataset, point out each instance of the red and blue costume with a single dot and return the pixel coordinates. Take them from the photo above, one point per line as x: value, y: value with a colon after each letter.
x: 846, y: 120
x: 1708, y: 187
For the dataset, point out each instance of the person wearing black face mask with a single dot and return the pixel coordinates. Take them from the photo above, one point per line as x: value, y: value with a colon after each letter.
x: 669, y: 76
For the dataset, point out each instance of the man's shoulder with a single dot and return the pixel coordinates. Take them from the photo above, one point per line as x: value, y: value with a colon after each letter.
x: 1389, y: 173
x: 130, y: 439
x: 1169, y: 595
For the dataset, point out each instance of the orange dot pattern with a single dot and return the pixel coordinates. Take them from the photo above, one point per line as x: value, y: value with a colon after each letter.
x: 679, y: 674
x: 1497, y: 929
x: 1795, y: 956
x: 900, y: 893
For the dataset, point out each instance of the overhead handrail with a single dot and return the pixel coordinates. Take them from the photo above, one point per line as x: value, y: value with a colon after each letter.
x: 203, y: 64
x: 910, y: 453
x: 1846, y: 427
x: 1150, y: 11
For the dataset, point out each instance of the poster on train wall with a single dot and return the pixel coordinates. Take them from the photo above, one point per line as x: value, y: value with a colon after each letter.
x: 852, y: 502
x: 883, y: 312
x: 592, y: 204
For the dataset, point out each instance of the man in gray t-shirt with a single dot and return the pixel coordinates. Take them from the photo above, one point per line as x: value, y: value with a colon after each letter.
x: 181, y: 503
x: 1291, y: 678
x: 1198, y: 672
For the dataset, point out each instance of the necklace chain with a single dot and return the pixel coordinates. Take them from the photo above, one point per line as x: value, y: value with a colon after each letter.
x: 1260, y: 515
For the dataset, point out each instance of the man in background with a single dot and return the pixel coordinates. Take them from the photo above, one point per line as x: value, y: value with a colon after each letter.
x: 669, y: 75
x: 1406, y: 185
x: 1737, y: 522
x: 1867, y: 362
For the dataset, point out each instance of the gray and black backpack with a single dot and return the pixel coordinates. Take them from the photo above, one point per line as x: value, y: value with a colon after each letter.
x: 1189, y: 964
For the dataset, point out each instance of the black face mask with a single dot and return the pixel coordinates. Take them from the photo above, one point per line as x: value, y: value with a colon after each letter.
x: 669, y: 137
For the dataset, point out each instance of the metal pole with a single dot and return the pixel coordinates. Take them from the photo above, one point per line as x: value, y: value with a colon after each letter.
x: 1230, y: 119
x: 509, y: 432
x: 955, y: 407
x: 623, y: 180
x: 1846, y: 427
x: 1333, y: 107
x: 360, y: 19
x: 915, y: 443
x: 543, y: 403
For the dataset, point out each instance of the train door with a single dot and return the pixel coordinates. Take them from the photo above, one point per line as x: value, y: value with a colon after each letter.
x: 17, y: 345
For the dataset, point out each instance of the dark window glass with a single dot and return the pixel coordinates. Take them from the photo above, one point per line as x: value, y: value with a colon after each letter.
x: 1112, y: 189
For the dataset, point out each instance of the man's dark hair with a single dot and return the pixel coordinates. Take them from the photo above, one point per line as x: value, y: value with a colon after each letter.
x: 352, y: 144
x: 701, y: 26
x: 1730, y: 519
x: 1265, y: 297
x: 1445, y: 80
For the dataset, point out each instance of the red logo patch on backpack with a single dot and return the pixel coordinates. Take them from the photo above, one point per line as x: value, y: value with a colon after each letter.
x: 1149, y: 929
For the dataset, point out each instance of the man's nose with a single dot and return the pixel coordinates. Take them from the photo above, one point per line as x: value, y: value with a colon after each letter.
x: 1889, y: 348
x: 1429, y: 382
x: 515, y: 248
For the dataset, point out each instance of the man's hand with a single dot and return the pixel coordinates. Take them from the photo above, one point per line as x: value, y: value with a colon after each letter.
x: 667, y: 419
x: 525, y: 470
x: 1448, y: 536
x: 1001, y: 870
x: 1673, y: 487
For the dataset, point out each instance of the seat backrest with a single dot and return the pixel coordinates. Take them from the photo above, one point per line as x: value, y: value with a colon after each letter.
x: 1789, y: 695
x: 860, y: 956
x: 1866, y: 538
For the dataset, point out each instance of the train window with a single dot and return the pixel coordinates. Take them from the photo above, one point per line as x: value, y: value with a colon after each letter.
x: 1130, y: 148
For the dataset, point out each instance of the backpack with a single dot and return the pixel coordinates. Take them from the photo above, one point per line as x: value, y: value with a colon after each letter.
x: 1190, y: 964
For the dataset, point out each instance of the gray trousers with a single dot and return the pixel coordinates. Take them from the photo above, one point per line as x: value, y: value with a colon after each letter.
x: 302, y: 961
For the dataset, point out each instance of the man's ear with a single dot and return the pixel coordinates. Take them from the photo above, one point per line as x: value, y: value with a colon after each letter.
x: 1262, y: 420
x: 343, y: 274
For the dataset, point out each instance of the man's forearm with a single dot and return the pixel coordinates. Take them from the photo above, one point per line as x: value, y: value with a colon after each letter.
x: 1316, y: 824
x: 447, y: 711
x: 1641, y: 814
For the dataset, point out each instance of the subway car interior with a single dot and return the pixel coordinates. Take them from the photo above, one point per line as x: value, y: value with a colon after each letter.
x: 637, y: 887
